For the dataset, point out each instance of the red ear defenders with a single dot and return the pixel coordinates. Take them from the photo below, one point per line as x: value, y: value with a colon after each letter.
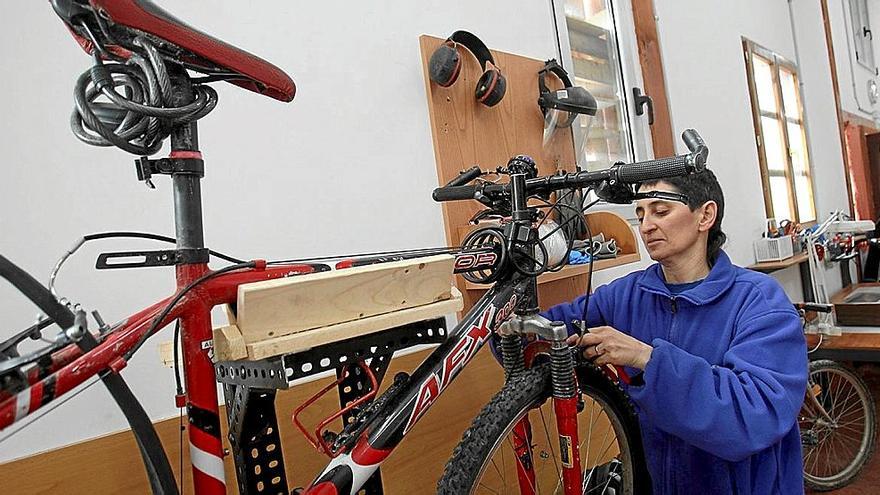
x: 445, y: 66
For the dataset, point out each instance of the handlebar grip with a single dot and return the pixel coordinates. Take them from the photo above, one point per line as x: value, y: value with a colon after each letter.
x: 454, y: 193
x: 465, y: 176
x: 817, y: 307
x: 655, y: 169
x: 35, y: 291
x: 693, y: 140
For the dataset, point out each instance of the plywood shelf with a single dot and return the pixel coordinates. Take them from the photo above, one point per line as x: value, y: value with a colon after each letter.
x: 466, y: 133
x: 772, y: 266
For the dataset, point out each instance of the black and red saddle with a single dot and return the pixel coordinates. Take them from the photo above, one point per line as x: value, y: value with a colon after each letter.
x: 117, y: 22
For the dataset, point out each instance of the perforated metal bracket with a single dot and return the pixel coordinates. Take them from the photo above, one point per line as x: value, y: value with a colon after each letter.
x: 278, y: 372
x: 255, y: 441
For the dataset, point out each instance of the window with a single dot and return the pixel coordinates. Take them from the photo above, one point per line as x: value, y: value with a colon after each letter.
x: 777, y: 110
x: 862, y: 37
x: 595, y: 65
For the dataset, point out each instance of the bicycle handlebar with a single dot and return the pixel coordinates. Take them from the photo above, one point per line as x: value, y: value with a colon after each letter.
x: 629, y: 173
x: 465, y: 176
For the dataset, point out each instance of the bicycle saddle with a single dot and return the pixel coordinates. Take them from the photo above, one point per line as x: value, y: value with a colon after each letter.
x: 115, y: 23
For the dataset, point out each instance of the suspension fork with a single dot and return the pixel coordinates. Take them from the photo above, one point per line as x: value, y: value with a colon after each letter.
x: 565, y: 401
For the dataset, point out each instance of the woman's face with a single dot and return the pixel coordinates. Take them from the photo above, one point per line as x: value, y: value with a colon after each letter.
x: 669, y: 228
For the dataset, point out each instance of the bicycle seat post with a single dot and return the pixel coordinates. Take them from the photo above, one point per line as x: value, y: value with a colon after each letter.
x: 187, y: 189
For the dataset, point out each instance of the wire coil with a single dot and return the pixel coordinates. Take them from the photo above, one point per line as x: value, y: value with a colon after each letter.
x: 137, y: 108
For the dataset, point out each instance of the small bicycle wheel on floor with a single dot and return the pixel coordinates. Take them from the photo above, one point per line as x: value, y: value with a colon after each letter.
x: 486, y: 459
x: 837, y: 428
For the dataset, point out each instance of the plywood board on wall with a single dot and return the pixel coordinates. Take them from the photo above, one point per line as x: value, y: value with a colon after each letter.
x: 468, y: 133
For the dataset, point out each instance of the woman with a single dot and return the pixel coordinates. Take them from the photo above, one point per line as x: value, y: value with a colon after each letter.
x: 717, y: 352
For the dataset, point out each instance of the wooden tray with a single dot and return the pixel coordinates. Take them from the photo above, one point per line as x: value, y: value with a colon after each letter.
x: 229, y: 344
x: 851, y: 312
x: 275, y: 308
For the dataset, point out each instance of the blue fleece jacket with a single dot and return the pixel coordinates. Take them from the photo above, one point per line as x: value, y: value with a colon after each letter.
x: 725, y: 381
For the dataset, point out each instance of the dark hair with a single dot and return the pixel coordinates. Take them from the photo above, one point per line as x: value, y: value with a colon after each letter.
x: 701, y: 188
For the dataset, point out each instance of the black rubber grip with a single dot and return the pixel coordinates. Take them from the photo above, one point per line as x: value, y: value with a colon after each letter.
x: 819, y: 308
x: 465, y: 176
x: 655, y: 169
x: 454, y: 193
x: 35, y: 291
x: 692, y: 139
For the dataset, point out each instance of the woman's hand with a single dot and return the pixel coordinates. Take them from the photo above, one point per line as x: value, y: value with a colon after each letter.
x: 606, y: 345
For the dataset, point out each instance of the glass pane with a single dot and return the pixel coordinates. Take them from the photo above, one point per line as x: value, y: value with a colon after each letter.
x: 773, y: 148
x: 867, y: 36
x: 804, y: 188
x: 798, y: 149
x: 801, y: 169
x: 861, y: 37
x: 764, y: 84
x: 779, y: 197
x: 594, y: 54
x: 788, y: 81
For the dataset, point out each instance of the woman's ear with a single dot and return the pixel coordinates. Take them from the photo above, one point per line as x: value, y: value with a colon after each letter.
x: 708, y: 214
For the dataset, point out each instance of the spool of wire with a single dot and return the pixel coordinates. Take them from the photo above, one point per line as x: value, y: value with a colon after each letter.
x: 556, y: 245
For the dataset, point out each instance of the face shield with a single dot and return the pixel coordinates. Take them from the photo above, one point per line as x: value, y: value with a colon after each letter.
x: 562, y: 106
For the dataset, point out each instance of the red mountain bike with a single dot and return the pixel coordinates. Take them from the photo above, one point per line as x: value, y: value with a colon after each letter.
x: 529, y: 438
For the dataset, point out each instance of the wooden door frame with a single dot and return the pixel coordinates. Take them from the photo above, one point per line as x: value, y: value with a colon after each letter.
x: 826, y: 21
x: 653, y: 77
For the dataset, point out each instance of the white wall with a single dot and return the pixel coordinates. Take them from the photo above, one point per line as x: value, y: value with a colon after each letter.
x: 347, y: 167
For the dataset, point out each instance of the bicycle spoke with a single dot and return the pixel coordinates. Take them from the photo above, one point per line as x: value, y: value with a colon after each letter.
x: 552, y: 452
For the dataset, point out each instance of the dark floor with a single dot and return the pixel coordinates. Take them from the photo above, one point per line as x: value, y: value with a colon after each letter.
x: 868, y: 482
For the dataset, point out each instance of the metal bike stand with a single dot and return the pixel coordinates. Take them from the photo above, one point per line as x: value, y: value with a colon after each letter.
x: 250, y: 388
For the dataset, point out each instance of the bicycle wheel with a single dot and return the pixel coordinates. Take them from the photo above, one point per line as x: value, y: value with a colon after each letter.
x: 610, y: 443
x: 836, y: 447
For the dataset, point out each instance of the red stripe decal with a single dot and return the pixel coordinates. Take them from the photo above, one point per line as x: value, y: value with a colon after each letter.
x: 185, y: 154
x: 365, y: 455
x: 325, y: 488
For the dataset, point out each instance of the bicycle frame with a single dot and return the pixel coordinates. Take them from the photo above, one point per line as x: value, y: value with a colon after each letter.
x: 71, y: 367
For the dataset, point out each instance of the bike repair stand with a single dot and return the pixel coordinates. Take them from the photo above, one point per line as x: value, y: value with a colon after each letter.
x: 250, y: 388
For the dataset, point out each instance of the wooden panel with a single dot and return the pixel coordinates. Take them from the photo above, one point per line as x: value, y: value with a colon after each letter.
x: 652, y: 75
x: 857, y: 157
x: 873, y: 169
x: 467, y: 133
x: 111, y: 464
x: 280, y: 307
x: 310, y: 338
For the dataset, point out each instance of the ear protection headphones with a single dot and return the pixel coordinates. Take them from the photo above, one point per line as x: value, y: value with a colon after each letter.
x: 445, y: 66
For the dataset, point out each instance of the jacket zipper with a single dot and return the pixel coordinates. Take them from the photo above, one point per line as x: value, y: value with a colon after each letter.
x: 670, y: 482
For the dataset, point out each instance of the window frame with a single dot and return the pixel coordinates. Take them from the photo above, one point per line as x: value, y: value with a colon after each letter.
x: 626, y: 41
x: 777, y: 62
x: 861, y: 26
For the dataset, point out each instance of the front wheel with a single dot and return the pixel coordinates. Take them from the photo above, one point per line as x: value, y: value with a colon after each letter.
x: 837, y: 426
x: 490, y: 455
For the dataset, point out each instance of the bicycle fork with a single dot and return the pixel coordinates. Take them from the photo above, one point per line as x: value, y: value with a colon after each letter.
x: 565, y: 398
